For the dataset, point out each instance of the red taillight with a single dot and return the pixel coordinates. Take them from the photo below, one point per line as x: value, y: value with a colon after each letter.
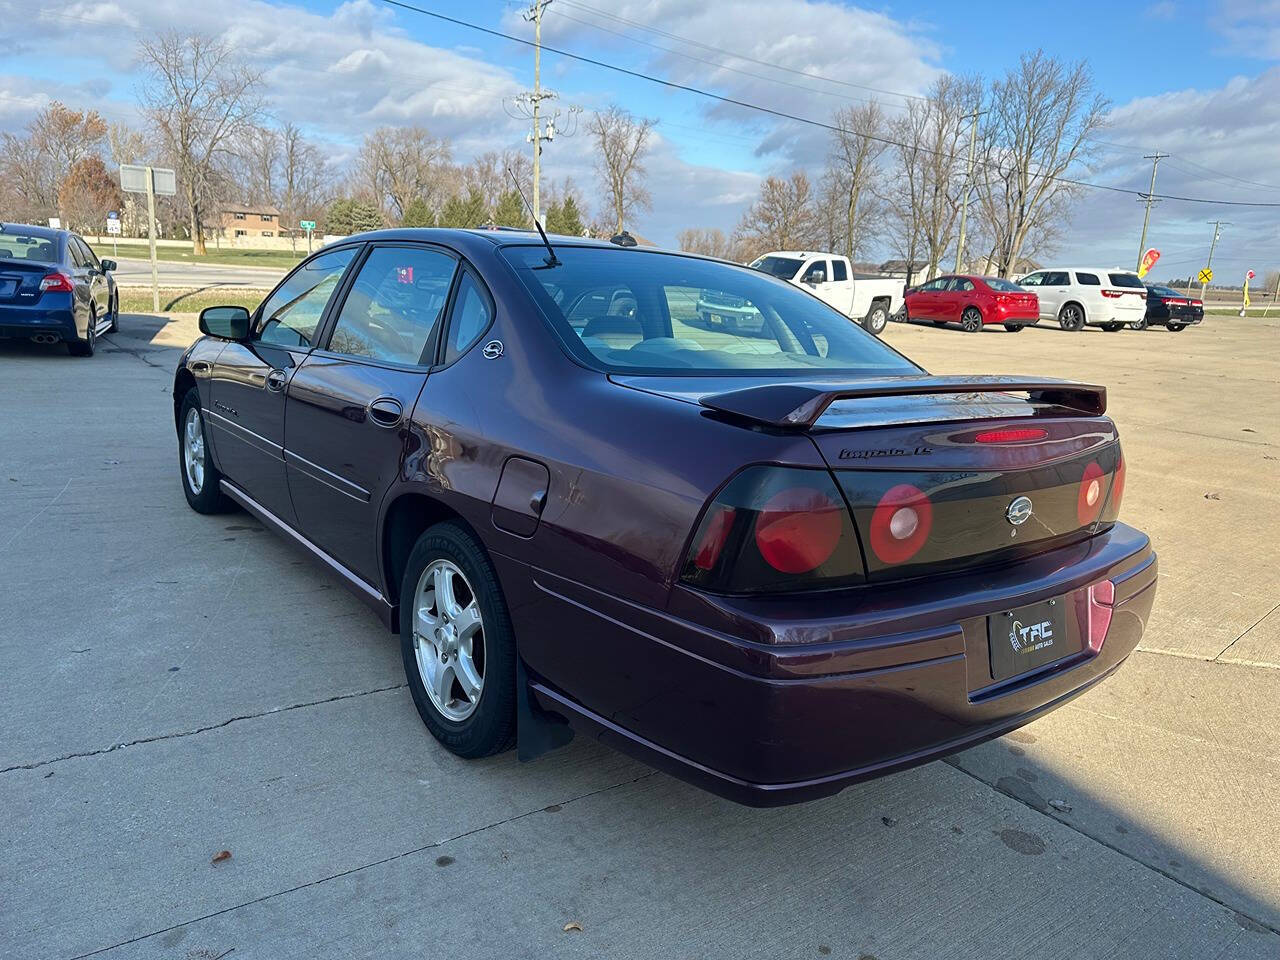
x: 901, y: 523
x: 1175, y: 301
x: 1113, y: 294
x: 1117, y: 487
x: 1012, y: 435
x: 1090, y: 498
x: 56, y: 283
x: 714, y: 534
x: 798, y: 529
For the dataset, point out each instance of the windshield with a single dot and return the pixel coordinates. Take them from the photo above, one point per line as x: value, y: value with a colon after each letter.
x: 784, y: 268
x: 640, y: 312
x: 24, y: 246
x: 1000, y: 285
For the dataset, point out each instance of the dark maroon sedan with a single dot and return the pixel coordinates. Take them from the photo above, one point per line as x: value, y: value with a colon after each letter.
x: 773, y: 560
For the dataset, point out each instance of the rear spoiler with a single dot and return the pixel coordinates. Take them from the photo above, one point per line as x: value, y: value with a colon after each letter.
x: 800, y: 405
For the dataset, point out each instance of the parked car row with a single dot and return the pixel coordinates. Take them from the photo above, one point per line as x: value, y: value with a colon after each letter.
x: 1075, y: 298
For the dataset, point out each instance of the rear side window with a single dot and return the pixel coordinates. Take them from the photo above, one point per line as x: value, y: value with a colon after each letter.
x: 290, y: 316
x: 472, y: 312
x: 1125, y: 280
x: 961, y: 285
x: 838, y: 270
x: 394, y: 305
x: 1088, y: 280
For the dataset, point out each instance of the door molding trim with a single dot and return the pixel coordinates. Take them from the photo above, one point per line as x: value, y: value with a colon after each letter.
x: 269, y: 447
x: 350, y: 579
x: 327, y: 477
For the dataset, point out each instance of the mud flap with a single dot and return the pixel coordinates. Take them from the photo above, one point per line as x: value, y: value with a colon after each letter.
x: 537, y: 731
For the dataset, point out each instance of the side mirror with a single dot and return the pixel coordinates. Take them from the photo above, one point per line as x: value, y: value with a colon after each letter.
x: 816, y: 275
x: 227, y: 323
x: 108, y: 266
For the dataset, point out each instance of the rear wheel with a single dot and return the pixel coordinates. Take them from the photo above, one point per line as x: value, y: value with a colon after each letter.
x: 84, y: 348
x: 1014, y: 327
x: 1071, y: 317
x: 877, y: 318
x: 1112, y: 327
x: 457, y: 643
x: 1176, y: 327
x: 971, y: 320
x: 115, y: 313
x: 1138, y: 324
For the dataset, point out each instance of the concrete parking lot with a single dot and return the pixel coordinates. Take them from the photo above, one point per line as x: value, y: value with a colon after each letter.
x: 176, y: 686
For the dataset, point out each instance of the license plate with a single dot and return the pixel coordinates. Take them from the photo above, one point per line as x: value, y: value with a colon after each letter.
x: 1028, y: 637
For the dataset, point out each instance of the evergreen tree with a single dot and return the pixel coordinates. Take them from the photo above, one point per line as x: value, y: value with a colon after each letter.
x: 348, y: 216
x: 463, y: 212
x: 570, y: 224
x: 418, y: 214
x: 510, y: 211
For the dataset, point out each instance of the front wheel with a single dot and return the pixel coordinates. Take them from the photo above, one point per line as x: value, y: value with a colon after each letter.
x: 1071, y: 318
x: 971, y: 320
x: 457, y: 643
x: 201, y: 481
x: 1138, y: 324
x: 876, y: 320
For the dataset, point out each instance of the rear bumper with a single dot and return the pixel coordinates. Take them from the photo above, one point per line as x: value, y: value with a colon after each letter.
x: 24, y: 322
x: 772, y: 701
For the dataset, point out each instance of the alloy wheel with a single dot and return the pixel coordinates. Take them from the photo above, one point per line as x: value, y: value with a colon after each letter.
x: 877, y: 320
x: 448, y: 635
x: 193, y: 450
x: 971, y: 320
x: 1138, y: 324
x: 1071, y: 318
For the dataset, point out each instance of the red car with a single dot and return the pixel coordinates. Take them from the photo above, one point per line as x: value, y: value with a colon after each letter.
x: 973, y: 302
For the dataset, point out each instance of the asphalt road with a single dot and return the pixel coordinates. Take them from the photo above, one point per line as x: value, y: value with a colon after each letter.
x: 178, y: 685
x: 172, y: 273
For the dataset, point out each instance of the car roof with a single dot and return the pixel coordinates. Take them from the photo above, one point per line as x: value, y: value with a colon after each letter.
x: 1081, y: 270
x: 49, y: 233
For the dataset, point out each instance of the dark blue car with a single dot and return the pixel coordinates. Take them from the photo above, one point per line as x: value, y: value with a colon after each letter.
x: 54, y: 289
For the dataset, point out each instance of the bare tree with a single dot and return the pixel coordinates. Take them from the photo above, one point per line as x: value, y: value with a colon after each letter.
x: 710, y: 242
x: 782, y: 218
x: 258, y: 155
x: 398, y: 165
x: 201, y: 99
x: 925, y: 194
x: 490, y: 174
x: 620, y: 140
x: 853, y: 173
x: 1042, y: 116
x: 35, y: 165
x: 126, y: 145
x: 304, y: 180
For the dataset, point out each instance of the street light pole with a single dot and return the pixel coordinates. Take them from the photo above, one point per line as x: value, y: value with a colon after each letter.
x: 534, y: 13
x: 1155, y: 159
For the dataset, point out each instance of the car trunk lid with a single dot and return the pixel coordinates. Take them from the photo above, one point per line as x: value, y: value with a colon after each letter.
x: 20, y: 280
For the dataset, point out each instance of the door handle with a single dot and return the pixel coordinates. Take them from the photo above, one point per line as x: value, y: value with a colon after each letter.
x: 276, y: 380
x: 200, y: 367
x: 385, y: 412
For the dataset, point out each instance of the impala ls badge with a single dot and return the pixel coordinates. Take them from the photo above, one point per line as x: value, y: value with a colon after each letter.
x: 1019, y: 511
x: 493, y: 349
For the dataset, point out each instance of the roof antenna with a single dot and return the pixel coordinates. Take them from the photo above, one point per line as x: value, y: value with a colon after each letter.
x: 551, y: 260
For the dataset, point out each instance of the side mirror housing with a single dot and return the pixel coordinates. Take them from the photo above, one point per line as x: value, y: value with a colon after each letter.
x: 108, y: 266
x: 816, y: 275
x: 226, y: 323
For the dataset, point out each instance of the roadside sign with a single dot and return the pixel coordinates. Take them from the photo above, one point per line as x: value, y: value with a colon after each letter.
x: 113, y: 214
x: 307, y: 224
x: 55, y: 223
x: 1148, y: 261
x: 1205, y: 275
x: 1249, y: 275
x: 113, y: 227
x: 133, y: 179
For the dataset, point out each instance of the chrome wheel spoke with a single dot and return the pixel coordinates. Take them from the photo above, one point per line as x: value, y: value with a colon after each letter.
x: 467, y: 622
x: 468, y: 678
x: 442, y: 684
x: 446, y: 603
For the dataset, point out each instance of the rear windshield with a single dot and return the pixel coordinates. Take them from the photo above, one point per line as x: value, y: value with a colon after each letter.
x: 1163, y: 291
x: 784, y: 268
x: 1125, y: 280
x: 637, y: 311
x: 1001, y: 285
x: 24, y: 246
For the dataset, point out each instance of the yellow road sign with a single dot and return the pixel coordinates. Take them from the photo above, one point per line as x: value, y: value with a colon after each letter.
x: 1206, y: 275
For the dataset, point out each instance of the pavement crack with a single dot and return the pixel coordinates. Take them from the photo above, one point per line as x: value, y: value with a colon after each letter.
x: 134, y: 352
x: 197, y: 730
x: 1246, y: 632
x: 433, y: 845
x: 952, y: 762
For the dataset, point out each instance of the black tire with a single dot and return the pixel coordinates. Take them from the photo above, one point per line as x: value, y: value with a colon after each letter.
x: 971, y: 320
x: 115, y: 313
x: 1176, y: 327
x: 1014, y: 327
x: 877, y: 319
x: 209, y: 498
x: 1138, y: 324
x: 1071, y: 318
x: 84, y: 348
x: 1112, y: 327
x: 491, y: 726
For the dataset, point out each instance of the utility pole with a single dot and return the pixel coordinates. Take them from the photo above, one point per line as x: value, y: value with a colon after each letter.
x: 968, y: 182
x: 534, y: 13
x: 1217, y: 230
x: 1155, y: 159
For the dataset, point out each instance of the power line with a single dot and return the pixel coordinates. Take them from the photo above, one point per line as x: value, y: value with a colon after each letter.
x: 782, y: 114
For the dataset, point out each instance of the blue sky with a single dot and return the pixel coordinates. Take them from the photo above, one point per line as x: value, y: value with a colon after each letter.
x: 1198, y: 80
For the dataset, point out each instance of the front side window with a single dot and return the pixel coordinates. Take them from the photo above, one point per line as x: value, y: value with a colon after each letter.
x: 695, y: 316
x: 1056, y: 279
x: 1032, y: 280
x: 394, y: 305
x: 471, y: 314
x: 291, y: 314
x: 933, y: 286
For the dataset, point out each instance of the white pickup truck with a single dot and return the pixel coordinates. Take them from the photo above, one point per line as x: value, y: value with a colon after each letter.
x: 867, y: 300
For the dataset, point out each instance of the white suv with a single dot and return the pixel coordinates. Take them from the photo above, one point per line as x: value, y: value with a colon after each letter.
x: 1109, y: 299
